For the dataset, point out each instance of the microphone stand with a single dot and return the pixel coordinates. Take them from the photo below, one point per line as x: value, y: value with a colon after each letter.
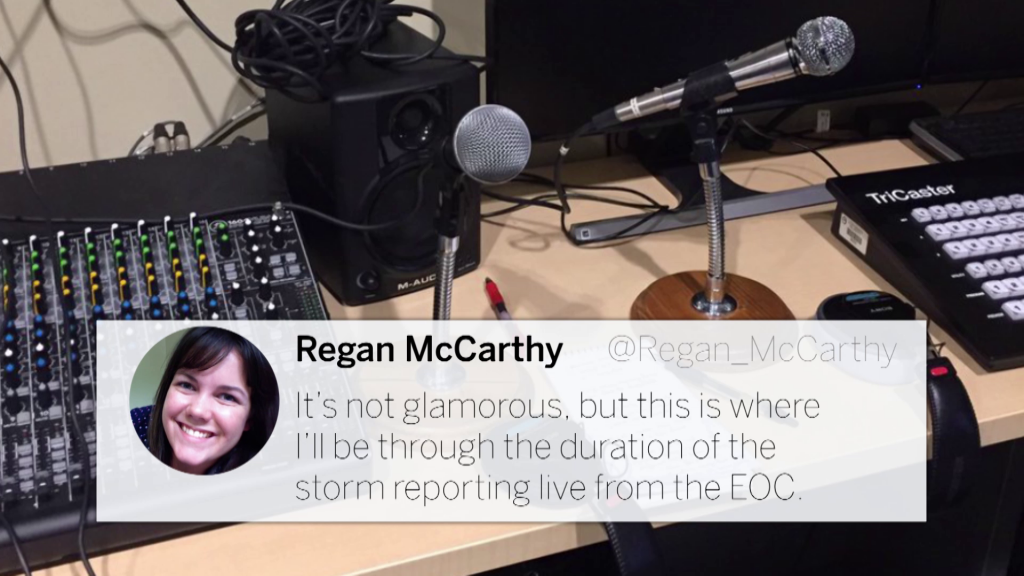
x: 448, y: 224
x: 445, y: 376
x: 708, y: 294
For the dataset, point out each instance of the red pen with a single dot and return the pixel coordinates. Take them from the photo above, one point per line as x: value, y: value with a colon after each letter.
x: 494, y: 295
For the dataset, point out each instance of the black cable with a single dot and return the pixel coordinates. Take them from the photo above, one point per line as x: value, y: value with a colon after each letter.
x: 563, y: 151
x: 235, y: 127
x: 541, y: 201
x: 16, y: 542
x: 291, y: 45
x: 87, y: 460
x: 971, y: 97
x: 794, y: 143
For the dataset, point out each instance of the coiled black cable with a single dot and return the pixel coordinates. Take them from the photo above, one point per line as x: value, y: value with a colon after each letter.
x: 290, y: 46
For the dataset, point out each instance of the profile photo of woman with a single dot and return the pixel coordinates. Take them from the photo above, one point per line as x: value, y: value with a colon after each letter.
x: 216, y: 404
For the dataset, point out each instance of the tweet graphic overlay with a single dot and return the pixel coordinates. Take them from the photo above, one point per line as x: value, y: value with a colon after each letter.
x: 390, y: 421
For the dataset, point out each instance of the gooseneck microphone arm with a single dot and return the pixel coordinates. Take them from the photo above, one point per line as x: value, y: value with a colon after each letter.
x: 448, y: 225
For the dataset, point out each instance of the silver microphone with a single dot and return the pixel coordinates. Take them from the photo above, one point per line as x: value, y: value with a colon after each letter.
x: 491, y: 144
x: 821, y: 47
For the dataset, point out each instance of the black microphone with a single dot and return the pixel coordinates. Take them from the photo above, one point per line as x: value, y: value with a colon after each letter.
x: 821, y: 47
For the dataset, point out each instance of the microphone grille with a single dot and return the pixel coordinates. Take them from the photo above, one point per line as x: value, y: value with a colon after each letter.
x: 826, y: 45
x: 492, y: 144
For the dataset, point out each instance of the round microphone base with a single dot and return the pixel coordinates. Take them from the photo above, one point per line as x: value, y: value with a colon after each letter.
x: 673, y: 297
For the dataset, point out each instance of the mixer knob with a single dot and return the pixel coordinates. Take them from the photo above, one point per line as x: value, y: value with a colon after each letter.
x: 44, y: 397
x: 12, y: 403
x: 258, y: 268
x: 97, y: 293
x: 127, y: 313
x: 44, y: 375
x: 156, y: 310
x: 277, y: 236
x: 10, y: 368
x: 98, y: 313
x: 40, y: 349
x: 37, y: 269
x: 39, y: 328
x: 72, y: 324
x: 11, y: 378
x: 11, y: 300
x: 10, y: 334
x: 211, y: 301
x: 39, y: 300
x: 264, y: 289
x: 10, y: 353
x: 224, y: 247
x: 271, y: 312
x: 237, y: 295
x: 184, y: 309
x: 78, y: 393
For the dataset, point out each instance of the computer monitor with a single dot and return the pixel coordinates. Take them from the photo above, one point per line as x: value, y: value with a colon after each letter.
x: 557, y: 63
x: 977, y: 40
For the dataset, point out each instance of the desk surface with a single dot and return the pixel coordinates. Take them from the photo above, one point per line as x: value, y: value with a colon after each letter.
x: 543, y: 276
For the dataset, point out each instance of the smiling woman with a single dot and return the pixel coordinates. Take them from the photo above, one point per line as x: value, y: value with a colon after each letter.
x: 216, y: 404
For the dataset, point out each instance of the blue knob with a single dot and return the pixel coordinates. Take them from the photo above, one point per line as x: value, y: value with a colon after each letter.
x: 154, y: 300
x: 182, y: 295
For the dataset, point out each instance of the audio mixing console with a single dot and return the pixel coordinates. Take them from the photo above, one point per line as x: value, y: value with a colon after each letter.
x: 240, y: 266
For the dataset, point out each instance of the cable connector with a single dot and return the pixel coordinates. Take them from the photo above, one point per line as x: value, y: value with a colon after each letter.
x: 181, y: 138
x: 161, y: 139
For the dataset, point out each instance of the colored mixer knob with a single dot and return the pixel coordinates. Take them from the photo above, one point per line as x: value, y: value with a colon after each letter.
x: 127, y: 312
x: 224, y: 247
x: 211, y: 300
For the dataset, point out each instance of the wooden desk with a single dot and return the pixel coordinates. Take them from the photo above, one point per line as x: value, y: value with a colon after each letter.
x: 543, y: 276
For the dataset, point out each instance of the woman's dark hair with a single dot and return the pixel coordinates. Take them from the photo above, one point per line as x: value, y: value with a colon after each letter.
x: 204, y: 348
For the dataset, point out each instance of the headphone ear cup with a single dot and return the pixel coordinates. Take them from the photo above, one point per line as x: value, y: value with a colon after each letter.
x: 956, y: 438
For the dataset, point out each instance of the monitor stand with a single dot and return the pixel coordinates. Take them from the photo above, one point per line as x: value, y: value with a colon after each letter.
x: 682, y: 178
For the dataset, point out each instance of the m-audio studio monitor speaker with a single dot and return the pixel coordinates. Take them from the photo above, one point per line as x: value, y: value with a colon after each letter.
x: 363, y: 156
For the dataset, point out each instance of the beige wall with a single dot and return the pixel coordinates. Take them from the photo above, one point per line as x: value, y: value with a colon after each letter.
x: 96, y: 73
